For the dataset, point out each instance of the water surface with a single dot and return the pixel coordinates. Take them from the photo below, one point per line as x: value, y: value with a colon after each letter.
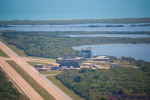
x: 112, y: 35
x: 75, y: 27
x: 137, y: 51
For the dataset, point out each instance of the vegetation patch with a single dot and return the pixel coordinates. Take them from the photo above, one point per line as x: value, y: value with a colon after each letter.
x: 114, y: 83
x: 121, y: 63
x: 38, y: 88
x: 3, y: 54
x: 7, y: 91
x: 51, y: 72
x: 33, y: 63
x: 80, y: 21
x: 13, y: 47
x: 64, y: 88
x: 51, y: 45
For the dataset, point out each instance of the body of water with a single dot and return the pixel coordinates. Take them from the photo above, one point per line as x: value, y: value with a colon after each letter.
x: 137, y: 51
x: 111, y: 35
x: 73, y: 9
x: 75, y: 27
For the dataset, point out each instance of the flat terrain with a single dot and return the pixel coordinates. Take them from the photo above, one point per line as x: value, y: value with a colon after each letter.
x: 80, y: 21
x: 21, y: 83
x: 50, y: 72
x: 106, y: 65
x: 2, y: 54
x: 68, y: 91
x: 38, y: 88
x: 35, y: 76
x: 32, y: 61
x: 13, y: 48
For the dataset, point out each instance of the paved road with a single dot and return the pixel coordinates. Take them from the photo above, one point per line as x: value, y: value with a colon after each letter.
x: 48, y: 86
x: 20, y: 82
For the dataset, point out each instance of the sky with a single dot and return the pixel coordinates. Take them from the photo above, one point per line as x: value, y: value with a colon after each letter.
x: 73, y: 9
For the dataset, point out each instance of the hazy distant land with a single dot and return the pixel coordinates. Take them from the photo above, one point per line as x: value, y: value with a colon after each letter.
x: 79, y: 21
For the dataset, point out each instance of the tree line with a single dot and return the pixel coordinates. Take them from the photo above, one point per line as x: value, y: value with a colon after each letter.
x: 52, y: 45
x: 80, y: 21
x: 114, y: 84
x: 7, y: 91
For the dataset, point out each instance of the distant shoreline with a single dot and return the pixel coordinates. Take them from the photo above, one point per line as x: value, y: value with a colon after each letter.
x: 79, y: 21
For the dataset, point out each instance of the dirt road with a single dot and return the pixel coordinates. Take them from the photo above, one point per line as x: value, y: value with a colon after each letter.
x: 24, y: 66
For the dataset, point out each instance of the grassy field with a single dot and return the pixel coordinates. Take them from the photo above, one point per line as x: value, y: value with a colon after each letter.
x: 33, y: 63
x: 64, y: 88
x: 51, y: 72
x: 49, y: 59
x: 43, y: 61
x: 107, y: 64
x: 3, y: 54
x: 22, y: 97
x: 31, y: 81
x: 40, y: 58
x: 103, y: 64
x: 12, y: 47
x: 124, y: 63
x: 46, y: 60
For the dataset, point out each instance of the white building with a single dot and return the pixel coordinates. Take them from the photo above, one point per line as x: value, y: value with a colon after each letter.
x: 100, y: 58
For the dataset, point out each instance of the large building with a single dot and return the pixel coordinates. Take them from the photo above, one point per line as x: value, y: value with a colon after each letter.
x: 74, y: 62
x: 86, y: 53
x: 38, y: 66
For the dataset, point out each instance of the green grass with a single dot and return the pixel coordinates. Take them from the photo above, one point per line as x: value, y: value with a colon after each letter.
x: 51, y: 72
x: 107, y: 64
x: 22, y: 97
x: 12, y: 47
x: 38, y: 88
x: 64, y: 88
x: 50, y: 59
x: 33, y: 63
x: 39, y: 58
x: 3, y: 54
x: 103, y: 64
x: 124, y: 63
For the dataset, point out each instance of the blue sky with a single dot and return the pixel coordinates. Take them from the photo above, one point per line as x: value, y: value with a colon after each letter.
x: 73, y: 9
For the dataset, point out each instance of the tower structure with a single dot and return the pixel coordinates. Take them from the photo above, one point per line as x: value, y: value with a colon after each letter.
x: 86, y: 52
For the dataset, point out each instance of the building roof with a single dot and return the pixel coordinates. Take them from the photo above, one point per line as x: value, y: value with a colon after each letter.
x: 100, y: 57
